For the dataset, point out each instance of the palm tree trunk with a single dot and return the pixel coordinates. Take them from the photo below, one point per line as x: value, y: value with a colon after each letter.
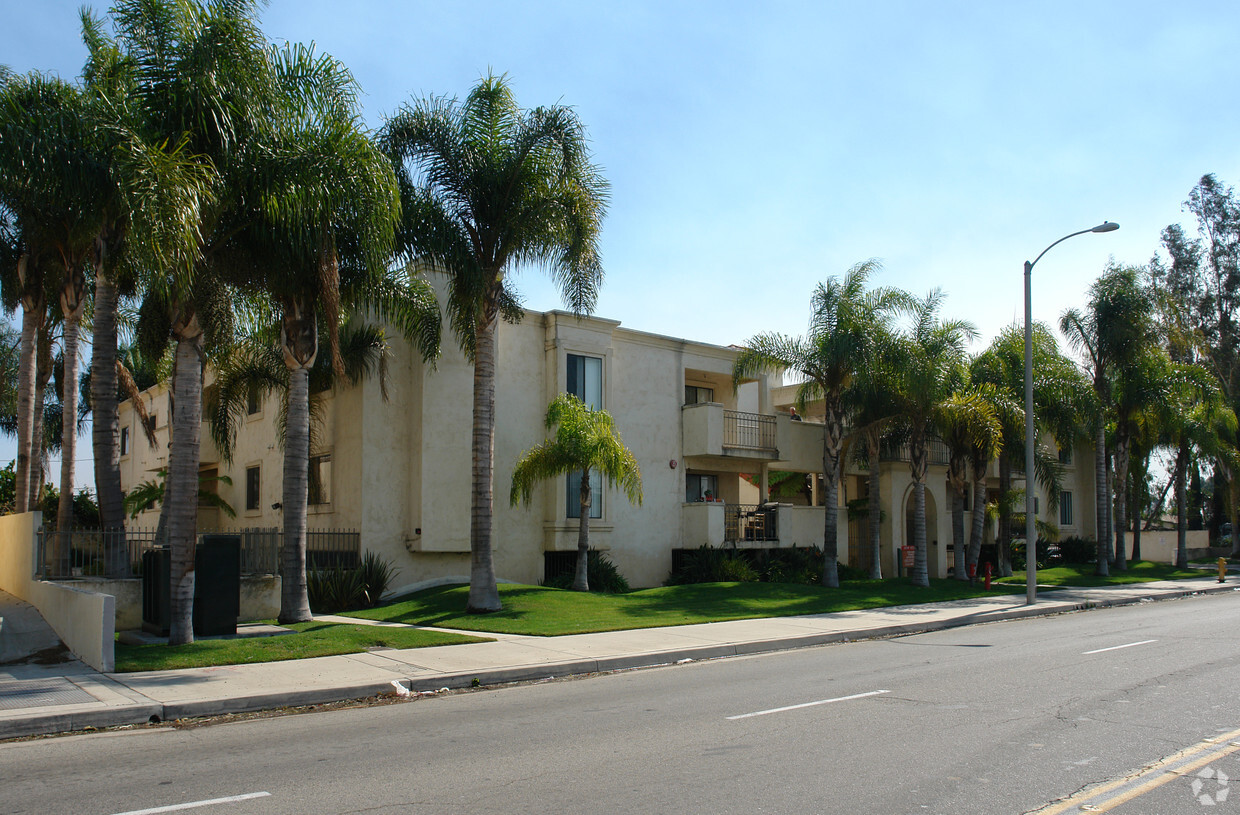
x: 1100, y: 498
x: 979, y: 518
x: 1121, y: 495
x: 1003, y: 552
x: 918, y: 464
x: 1181, y: 507
x: 581, y: 577
x: 833, y: 440
x: 104, y: 431
x: 1233, y: 487
x: 33, y: 314
x: 43, y: 375
x: 68, y: 439
x: 1136, y: 479
x: 958, y: 542
x: 181, y: 494
x: 483, y: 591
x: 294, y: 597
x: 875, y: 510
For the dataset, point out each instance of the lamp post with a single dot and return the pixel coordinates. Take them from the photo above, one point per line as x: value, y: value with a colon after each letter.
x: 1031, y: 532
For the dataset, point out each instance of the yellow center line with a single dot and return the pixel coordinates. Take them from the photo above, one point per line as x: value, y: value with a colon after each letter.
x: 1086, y: 795
x: 1169, y: 775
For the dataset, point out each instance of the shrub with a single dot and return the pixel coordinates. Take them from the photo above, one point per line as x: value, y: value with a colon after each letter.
x: 603, y: 575
x: 376, y: 574
x: 335, y: 589
x: 846, y: 572
x: 1078, y: 550
x: 1018, y: 554
x: 795, y: 565
x: 709, y: 565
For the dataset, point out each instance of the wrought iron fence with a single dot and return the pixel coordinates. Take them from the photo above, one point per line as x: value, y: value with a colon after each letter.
x: 748, y: 430
x: 750, y: 522
x: 936, y: 449
x: 117, y: 553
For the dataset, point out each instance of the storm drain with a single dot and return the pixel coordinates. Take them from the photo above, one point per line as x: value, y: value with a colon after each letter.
x: 41, y: 693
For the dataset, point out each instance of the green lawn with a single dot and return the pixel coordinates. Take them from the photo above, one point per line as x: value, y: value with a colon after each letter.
x: 1083, y: 575
x: 311, y: 640
x: 550, y: 612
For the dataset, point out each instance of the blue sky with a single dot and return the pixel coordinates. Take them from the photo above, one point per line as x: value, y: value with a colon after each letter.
x: 757, y: 149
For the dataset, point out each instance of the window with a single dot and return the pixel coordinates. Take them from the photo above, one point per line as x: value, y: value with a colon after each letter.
x: 585, y: 379
x: 253, y: 400
x: 124, y: 441
x: 1065, y: 455
x: 695, y: 394
x: 251, y: 488
x: 696, y: 487
x: 320, y: 478
x: 573, y: 497
x: 1065, y: 508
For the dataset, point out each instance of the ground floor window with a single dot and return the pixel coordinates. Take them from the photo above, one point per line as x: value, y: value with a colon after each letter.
x: 1065, y: 508
x: 319, y: 476
x: 573, y: 495
x: 251, y: 487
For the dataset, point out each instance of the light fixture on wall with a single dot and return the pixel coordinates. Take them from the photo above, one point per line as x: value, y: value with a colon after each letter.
x: 277, y: 506
x: 672, y: 464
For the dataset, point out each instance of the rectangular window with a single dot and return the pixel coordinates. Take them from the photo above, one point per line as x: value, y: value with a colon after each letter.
x: 1065, y: 508
x: 696, y: 487
x: 585, y: 379
x: 251, y: 488
x: 253, y: 400
x: 1065, y: 455
x: 320, y: 480
x: 124, y: 441
x: 573, y: 496
x: 695, y: 395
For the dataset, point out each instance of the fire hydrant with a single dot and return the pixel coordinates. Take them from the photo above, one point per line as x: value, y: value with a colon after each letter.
x: 987, y: 577
x: 1222, y: 569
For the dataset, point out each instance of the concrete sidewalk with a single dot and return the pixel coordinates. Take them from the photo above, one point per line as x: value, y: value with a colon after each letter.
x: 38, y: 699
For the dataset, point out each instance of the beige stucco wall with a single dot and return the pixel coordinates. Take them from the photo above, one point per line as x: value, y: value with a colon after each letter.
x: 1159, y: 545
x: 84, y: 620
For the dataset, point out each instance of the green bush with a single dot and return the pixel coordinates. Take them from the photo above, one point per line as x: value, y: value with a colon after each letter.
x: 376, y: 574
x: 1018, y: 554
x: 795, y: 565
x: 602, y: 574
x: 847, y: 572
x: 709, y: 565
x: 1078, y: 550
x: 335, y: 589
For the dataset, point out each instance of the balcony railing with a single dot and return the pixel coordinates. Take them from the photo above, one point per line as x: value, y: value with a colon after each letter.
x: 753, y: 430
x: 750, y: 522
x: 117, y: 554
x: 936, y: 450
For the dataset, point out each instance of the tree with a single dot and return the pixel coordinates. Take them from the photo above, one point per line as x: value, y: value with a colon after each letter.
x: 1112, y: 332
x: 968, y: 422
x: 844, y: 320
x: 585, y: 440
x: 925, y: 363
x: 487, y: 187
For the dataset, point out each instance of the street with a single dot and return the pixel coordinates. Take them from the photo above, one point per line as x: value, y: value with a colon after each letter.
x: 1001, y: 718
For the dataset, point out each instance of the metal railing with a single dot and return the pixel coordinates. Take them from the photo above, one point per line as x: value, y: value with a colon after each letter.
x: 750, y: 522
x: 754, y: 430
x: 936, y: 450
x: 117, y: 553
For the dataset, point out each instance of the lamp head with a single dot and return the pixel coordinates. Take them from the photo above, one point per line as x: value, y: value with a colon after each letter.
x: 1105, y: 226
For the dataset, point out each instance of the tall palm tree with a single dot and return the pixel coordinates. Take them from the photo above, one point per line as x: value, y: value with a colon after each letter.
x: 845, y: 318
x: 486, y: 188
x: 926, y: 360
x: 585, y: 440
x: 969, y: 424
x: 1111, y: 332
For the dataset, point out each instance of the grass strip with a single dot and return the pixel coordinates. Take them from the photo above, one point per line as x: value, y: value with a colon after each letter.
x: 541, y: 611
x: 1082, y: 575
x: 315, y: 639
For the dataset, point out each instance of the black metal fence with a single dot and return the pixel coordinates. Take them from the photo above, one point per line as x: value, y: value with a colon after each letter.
x: 117, y: 553
x: 750, y: 522
x: 742, y: 429
x: 936, y: 448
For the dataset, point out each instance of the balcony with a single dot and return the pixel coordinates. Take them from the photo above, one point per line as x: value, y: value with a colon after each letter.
x: 710, y: 430
x: 936, y: 449
x: 761, y: 526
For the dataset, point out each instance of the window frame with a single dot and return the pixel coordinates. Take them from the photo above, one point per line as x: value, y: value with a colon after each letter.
x: 254, y: 492
x: 1066, y: 509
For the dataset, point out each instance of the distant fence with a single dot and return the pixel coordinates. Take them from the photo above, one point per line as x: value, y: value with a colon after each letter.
x: 117, y: 553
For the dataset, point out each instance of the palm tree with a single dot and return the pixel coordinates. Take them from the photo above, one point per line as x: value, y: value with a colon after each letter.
x: 585, y: 440
x: 969, y: 424
x: 845, y: 318
x: 926, y: 361
x: 1113, y: 330
x: 493, y: 187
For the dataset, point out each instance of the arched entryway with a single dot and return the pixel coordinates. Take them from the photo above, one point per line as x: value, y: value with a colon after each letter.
x: 932, y: 530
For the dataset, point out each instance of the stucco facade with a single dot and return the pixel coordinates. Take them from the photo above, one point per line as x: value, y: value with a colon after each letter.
x: 398, y: 469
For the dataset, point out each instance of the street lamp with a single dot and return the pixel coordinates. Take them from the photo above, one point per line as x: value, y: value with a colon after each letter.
x: 1031, y: 532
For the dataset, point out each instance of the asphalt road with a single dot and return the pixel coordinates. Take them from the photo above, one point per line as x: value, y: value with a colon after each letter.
x: 1002, y: 718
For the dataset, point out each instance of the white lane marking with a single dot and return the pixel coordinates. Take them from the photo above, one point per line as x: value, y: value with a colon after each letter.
x: 1117, y: 647
x: 195, y: 804
x: 808, y: 704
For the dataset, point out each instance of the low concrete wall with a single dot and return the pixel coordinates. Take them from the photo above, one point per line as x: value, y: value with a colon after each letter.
x: 1159, y: 545
x: 84, y: 620
x: 701, y: 524
x: 260, y: 598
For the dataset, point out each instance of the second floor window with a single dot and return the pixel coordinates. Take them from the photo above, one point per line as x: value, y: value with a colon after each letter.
x: 124, y: 441
x: 695, y: 394
x: 585, y: 379
x: 1065, y: 455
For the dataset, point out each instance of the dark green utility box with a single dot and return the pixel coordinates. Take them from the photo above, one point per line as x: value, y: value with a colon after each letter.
x: 217, y: 587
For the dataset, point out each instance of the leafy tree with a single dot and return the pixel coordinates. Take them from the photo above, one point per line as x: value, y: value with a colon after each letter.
x: 150, y: 494
x: 844, y: 320
x: 487, y: 187
x: 968, y: 421
x: 585, y: 440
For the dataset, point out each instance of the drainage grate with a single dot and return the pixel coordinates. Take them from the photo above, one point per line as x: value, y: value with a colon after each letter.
x: 41, y: 693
